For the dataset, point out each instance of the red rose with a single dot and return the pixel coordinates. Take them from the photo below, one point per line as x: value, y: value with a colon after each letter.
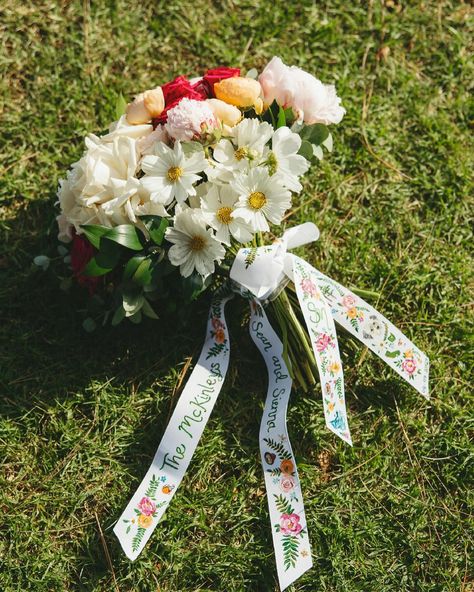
x: 178, y: 89
x: 81, y: 253
x: 215, y: 75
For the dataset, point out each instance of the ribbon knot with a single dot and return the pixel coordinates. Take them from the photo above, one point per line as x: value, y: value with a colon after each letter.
x: 260, y: 273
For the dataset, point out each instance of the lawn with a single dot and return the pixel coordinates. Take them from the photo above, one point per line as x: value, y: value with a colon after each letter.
x: 81, y: 415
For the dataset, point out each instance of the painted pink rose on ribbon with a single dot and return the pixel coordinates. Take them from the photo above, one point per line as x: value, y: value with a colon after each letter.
x: 287, y: 483
x: 409, y: 365
x: 309, y: 287
x: 147, y: 506
x: 348, y: 301
x: 290, y: 524
x: 323, y: 341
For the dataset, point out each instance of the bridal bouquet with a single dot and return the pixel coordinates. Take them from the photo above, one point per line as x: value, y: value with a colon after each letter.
x: 186, y: 194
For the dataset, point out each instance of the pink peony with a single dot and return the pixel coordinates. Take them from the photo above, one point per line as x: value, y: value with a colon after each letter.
x: 323, y: 341
x: 409, y: 365
x: 348, y: 301
x: 189, y: 119
x: 311, y: 100
x: 309, y: 287
x: 290, y: 524
x: 147, y: 506
x: 287, y: 483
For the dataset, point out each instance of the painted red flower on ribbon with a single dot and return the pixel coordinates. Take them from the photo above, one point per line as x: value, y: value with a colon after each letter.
x: 290, y: 524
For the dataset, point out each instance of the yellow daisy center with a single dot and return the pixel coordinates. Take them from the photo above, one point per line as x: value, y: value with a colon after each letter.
x: 224, y: 215
x: 257, y: 200
x: 241, y: 153
x: 174, y: 173
x: 197, y: 243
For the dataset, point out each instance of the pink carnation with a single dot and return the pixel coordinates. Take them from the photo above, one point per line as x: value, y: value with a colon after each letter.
x: 189, y: 119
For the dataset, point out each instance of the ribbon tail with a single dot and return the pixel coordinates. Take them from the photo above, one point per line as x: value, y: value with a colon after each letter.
x: 285, y: 500
x: 148, y: 504
x: 322, y: 333
x: 370, y: 327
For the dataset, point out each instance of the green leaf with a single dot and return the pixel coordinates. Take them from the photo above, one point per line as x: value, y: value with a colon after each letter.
x: 190, y: 148
x: 156, y: 226
x: 132, y: 266
x: 94, y: 232
x: 136, y: 318
x: 89, y: 325
x: 119, y: 315
x: 132, y: 299
x: 120, y: 106
x: 109, y: 253
x: 143, y: 273
x: 125, y: 235
x: 93, y: 269
x: 148, y: 311
x: 281, y: 121
x: 306, y: 150
x: 315, y: 133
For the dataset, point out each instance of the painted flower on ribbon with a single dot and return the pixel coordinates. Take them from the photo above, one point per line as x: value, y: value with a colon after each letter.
x: 334, y: 368
x: 287, y: 483
x: 217, y: 323
x: 323, y: 341
x: 219, y: 336
x: 287, y: 466
x: 309, y: 287
x: 290, y: 524
x: 147, y: 506
x: 409, y: 365
x: 348, y: 301
x: 352, y: 312
x: 145, y: 521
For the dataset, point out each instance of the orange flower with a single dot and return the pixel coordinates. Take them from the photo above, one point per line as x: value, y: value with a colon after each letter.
x: 334, y: 367
x: 409, y: 353
x: 331, y: 407
x: 286, y: 466
x: 145, y: 521
x: 352, y: 313
x: 220, y: 336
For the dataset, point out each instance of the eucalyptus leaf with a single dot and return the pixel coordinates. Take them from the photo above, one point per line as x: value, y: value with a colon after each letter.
x: 42, y: 261
x: 306, y: 150
x: 315, y: 133
x: 252, y: 73
x: 89, y: 325
x: 318, y: 152
x: 328, y: 144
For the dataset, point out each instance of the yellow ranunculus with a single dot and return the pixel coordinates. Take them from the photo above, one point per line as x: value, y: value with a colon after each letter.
x: 145, y: 521
x: 225, y: 113
x: 241, y: 92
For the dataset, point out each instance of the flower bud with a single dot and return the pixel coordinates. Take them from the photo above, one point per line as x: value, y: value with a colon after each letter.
x: 241, y: 92
x: 145, y: 106
x: 225, y: 113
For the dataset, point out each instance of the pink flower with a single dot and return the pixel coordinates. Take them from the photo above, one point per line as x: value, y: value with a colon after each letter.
x: 146, y: 506
x: 290, y: 524
x: 189, y: 119
x: 409, y: 365
x: 287, y: 483
x: 309, y: 287
x: 348, y: 301
x: 323, y: 341
x: 217, y: 323
x: 311, y: 100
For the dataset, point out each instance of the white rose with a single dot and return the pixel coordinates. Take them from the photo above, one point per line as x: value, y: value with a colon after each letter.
x: 311, y: 100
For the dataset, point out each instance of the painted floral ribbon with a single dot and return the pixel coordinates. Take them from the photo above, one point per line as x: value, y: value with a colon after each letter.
x: 180, y: 439
x: 284, y: 496
x: 259, y: 274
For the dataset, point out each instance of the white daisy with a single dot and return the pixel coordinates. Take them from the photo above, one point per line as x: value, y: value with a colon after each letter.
x: 194, y: 246
x: 170, y: 175
x: 243, y: 150
x: 261, y: 198
x: 218, y: 210
x: 283, y: 159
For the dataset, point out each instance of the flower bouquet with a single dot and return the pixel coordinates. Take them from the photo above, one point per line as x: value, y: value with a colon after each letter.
x: 184, y: 196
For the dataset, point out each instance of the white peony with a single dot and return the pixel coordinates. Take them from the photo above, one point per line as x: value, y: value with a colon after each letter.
x: 189, y: 119
x: 195, y: 247
x: 311, y: 100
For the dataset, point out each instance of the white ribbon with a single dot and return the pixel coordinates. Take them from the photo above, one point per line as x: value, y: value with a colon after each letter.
x: 260, y: 273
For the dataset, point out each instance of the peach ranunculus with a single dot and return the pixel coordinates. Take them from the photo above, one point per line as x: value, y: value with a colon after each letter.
x: 240, y: 92
x: 225, y: 113
x: 290, y: 86
x: 145, y: 521
x: 145, y: 106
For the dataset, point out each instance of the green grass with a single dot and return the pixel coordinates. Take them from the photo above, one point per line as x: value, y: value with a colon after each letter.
x: 81, y: 415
